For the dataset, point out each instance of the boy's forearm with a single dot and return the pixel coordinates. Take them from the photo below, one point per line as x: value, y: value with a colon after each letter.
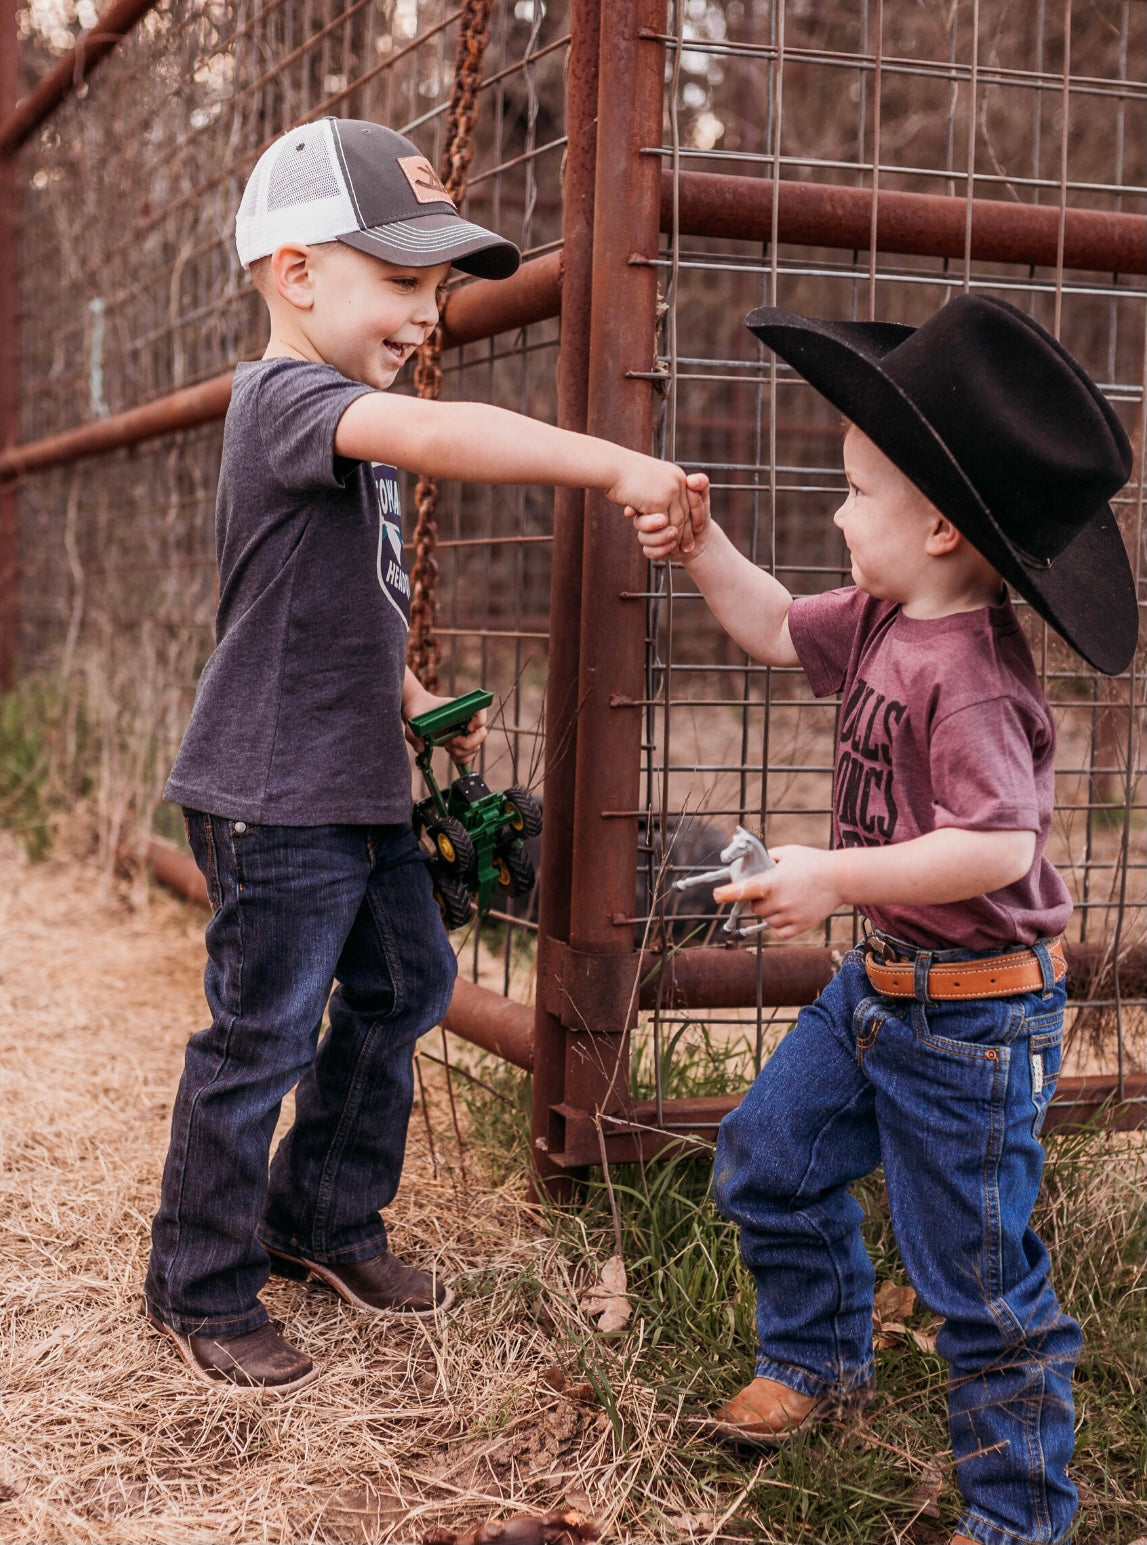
x: 942, y: 866
x: 476, y: 442
x: 505, y: 447
x: 749, y: 602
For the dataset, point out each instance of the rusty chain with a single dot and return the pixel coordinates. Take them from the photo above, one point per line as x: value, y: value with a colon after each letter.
x: 423, y: 650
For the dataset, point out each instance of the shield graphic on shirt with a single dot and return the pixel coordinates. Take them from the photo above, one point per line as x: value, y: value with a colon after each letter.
x: 393, y: 579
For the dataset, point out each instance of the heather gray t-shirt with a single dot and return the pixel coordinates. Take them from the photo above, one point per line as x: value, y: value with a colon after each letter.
x: 297, y: 718
x: 942, y: 724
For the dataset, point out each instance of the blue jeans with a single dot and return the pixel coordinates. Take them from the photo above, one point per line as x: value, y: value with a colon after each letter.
x: 949, y: 1097
x: 295, y: 908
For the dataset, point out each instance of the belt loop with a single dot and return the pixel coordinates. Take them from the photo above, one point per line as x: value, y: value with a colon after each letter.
x: 1046, y: 969
x: 920, y: 976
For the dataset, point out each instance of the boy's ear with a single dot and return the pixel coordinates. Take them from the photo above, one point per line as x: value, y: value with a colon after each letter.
x: 943, y: 538
x: 292, y: 275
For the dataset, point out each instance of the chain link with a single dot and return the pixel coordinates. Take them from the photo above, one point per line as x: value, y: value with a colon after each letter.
x: 423, y: 650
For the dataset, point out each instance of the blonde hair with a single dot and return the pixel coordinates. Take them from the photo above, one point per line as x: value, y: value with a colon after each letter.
x: 260, y: 270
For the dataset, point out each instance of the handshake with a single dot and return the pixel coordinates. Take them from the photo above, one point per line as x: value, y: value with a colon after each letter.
x: 663, y: 534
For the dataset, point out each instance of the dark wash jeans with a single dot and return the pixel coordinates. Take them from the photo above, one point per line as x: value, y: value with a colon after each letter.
x: 949, y: 1097
x: 295, y: 909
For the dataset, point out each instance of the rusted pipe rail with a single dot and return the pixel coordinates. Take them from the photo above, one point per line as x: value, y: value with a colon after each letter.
x: 1079, y: 1101
x: 790, y: 975
x: 505, y: 1028
x: 644, y: 1128
x: 184, y: 409
x: 479, y: 310
x: 921, y: 224
x: 73, y: 69
x: 487, y: 307
x: 710, y: 204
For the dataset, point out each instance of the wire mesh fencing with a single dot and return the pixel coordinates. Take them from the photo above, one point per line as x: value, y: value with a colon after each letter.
x: 846, y: 161
x: 989, y: 134
x: 132, y: 290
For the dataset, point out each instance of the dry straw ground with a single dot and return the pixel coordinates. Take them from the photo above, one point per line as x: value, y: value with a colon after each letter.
x: 102, y: 1435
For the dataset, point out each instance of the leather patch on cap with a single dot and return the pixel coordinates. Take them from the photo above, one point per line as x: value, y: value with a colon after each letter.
x: 424, y: 181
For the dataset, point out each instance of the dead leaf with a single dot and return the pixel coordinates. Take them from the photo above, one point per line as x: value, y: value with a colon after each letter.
x: 893, y: 1302
x: 891, y: 1308
x: 607, y: 1297
x: 926, y: 1495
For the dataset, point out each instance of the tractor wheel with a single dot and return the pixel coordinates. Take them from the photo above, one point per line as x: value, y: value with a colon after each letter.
x: 515, y: 870
x: 524, y: 813
x: 453, y: 844
x: 454, y: 901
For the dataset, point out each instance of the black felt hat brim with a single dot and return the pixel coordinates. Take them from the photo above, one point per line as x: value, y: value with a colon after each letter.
x: 1087, y: 593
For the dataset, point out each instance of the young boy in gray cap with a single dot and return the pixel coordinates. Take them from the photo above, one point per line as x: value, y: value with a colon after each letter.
x: 293, y: 773
x: 977, y: 452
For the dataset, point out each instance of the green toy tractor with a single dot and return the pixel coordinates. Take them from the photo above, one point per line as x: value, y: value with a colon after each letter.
x: 475, y: 834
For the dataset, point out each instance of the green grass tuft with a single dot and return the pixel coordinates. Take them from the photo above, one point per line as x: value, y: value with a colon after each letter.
x: 30, y: 719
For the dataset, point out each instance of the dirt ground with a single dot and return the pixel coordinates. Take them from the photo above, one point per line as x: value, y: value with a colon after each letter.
x: 103, y: 1436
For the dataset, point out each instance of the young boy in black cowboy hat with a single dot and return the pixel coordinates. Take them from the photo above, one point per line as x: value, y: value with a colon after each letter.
x: 977, y: 452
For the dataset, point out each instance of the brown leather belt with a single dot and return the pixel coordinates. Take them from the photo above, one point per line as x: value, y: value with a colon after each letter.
x: 997, y: 976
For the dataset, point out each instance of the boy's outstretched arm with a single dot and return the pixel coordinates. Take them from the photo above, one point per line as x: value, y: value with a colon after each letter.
x: 478, y: 443
x: 747, y: 601
x: 806, y: 885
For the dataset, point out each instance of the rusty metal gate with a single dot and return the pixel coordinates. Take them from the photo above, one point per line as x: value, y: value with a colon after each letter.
x: 665, y: 167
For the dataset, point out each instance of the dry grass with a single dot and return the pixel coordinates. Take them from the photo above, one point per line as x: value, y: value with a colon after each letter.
x: 104, y: 1437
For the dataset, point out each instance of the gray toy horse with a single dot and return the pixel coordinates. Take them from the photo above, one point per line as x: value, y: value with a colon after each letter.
x: 744, y: 856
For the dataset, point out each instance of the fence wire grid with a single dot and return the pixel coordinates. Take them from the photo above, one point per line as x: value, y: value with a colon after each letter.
x: 131, y: 289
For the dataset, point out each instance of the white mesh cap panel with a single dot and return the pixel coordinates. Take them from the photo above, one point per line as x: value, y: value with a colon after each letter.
x: 302, y: 173
x: 297, y: 192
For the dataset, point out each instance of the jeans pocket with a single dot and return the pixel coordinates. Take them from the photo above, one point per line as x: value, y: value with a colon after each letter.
x: 201, y: 839
x: 976, y: 1028
x: 1045, y: 1052
x: 868, y: 1019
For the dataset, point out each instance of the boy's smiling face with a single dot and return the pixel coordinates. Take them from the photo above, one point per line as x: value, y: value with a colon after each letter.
x: 360, y: 314
x: 885, y: 521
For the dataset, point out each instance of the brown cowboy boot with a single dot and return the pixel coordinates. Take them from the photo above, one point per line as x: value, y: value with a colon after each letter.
x: 767, y: 1413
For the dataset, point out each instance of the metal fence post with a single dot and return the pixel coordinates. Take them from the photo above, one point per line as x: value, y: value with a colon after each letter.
x: 590, y: 985
x: 11, y: 201
x: 561, y: 722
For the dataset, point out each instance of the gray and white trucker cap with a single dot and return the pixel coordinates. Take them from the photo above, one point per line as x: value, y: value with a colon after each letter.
x: 343, y: 179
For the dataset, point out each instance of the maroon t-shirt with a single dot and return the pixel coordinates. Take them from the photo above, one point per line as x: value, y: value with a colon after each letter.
x: 942, y: 723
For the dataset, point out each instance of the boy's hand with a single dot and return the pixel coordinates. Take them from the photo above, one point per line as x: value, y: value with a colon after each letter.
x: 648, y: 486
x: 658, y: 536
x: 797, y: 893
x: 417, y: 700
x: 465, y: 747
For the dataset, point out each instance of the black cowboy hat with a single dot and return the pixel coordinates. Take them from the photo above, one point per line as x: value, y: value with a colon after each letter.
x: 998, y: 426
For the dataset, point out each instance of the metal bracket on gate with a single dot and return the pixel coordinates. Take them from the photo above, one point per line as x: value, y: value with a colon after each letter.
x: 584, y: 990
